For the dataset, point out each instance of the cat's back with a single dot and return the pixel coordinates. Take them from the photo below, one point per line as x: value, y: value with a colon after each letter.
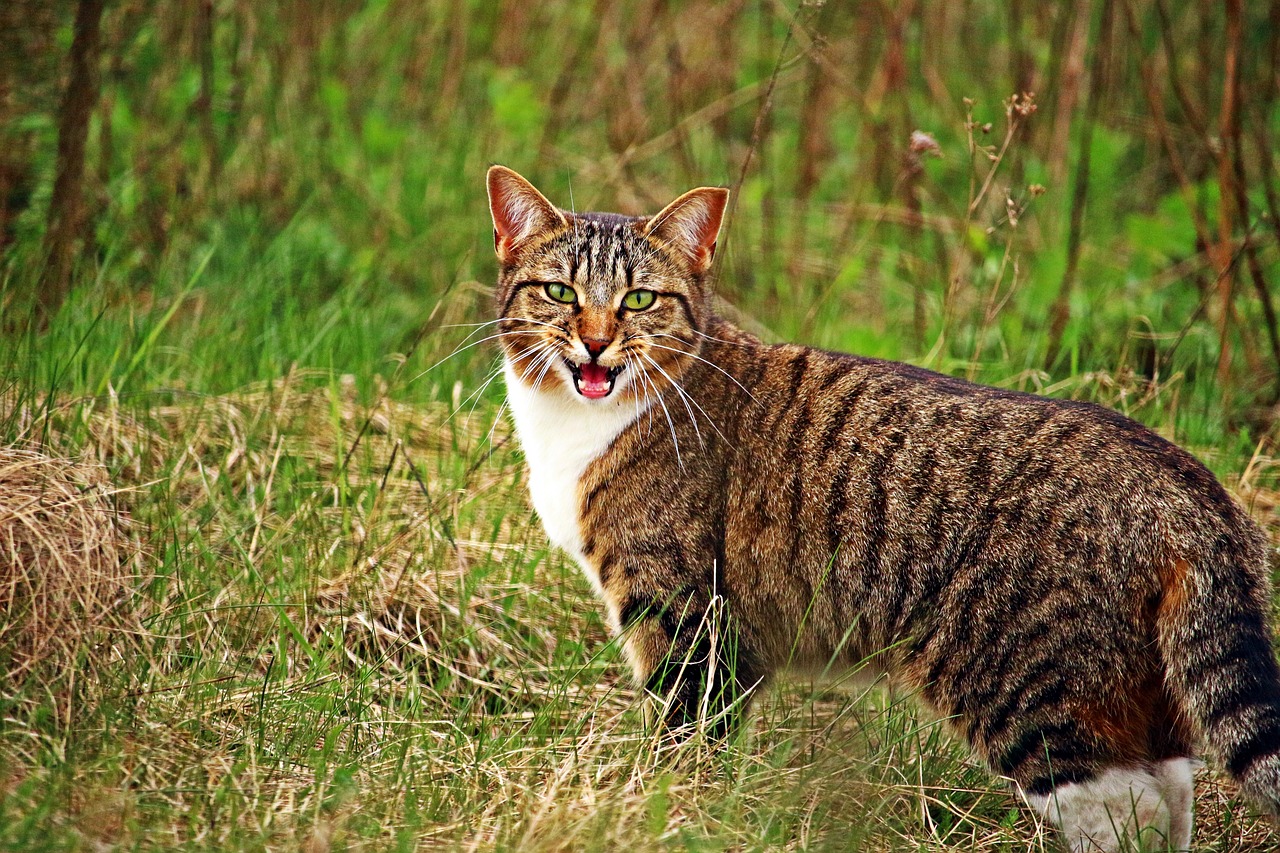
x: 822, y: 412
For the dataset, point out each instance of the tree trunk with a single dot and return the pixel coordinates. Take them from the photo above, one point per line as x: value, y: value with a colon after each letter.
x: 66, y: 209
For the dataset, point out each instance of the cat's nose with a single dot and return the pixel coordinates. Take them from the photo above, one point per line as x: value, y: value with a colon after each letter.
x: 595, y: 346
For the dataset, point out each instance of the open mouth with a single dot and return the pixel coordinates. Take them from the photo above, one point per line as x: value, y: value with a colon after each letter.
x: 594, y: 381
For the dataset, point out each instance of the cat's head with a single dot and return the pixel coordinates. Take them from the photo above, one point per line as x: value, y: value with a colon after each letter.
x: 602, y: 307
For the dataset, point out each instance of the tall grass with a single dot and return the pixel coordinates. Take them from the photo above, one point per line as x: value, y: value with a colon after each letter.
x: 356, y: 634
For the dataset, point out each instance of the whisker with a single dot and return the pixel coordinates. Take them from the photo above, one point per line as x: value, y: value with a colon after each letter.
x: 489, y: 380
x: 463, y: 403
x: 719, y: 340
x: 471, y: 325
x: 536, y: 351
x: 638, y: 394
x: 558, y: 327
x: 635, y: 392
x: 479, y: 326
x: 548, y: 360
x: 697, y: 357
x: 543, y: 361
x: 662, y: 335
x: 643, y: 374
x: 686, y: 395
x: 684, y: 398
x: 538, y: 368
x: 543, y: 358
x: 536, y: 347
x: 500, y: 320
x: 463, y: 346
x: 496, y: 420
x: 671, y: 426
x: 477, y: 394
x: 469, y: 346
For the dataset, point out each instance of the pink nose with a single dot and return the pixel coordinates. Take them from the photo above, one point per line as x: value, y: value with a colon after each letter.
x: 595, y: 346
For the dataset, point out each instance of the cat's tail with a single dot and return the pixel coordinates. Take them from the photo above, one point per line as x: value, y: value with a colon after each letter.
x: 1213, y: 635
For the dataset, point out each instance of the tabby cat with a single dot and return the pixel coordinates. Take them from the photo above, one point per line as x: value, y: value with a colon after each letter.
x: 1078, y: 596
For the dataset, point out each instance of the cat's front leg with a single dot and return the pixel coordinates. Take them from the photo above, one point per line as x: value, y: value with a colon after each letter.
x: 690, y: 656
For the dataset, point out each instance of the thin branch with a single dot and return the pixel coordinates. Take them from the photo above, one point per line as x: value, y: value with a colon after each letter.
x: 766, y: 105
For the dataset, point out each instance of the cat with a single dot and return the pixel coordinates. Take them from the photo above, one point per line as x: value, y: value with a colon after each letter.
x: 1079, y: 597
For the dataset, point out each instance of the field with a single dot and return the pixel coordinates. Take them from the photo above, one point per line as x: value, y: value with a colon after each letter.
x: 339, y: 624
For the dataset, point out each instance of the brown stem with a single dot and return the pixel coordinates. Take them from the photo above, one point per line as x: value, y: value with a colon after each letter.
x: 1067, y: 65
x: 1230, y: 131
x: 204, y: 101
x: 1172, y: 150
x: 1189, y: 108
x: 913, y: 170
x: 1060, y: 312
x: 1021, y: 75
x: 757, y: 131
x: 1256, y: 275
x: 1262, y: 141
x: 1233, y: 258
x: 66, y: 208
x: 455, y: 64
x: 1261, y: 136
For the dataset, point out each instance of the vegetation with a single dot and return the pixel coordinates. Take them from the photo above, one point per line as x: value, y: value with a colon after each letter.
x: 244, y: 295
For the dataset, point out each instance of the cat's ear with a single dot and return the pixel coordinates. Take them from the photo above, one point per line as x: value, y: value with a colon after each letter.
x: 690, y: 225
x: 519, y: 212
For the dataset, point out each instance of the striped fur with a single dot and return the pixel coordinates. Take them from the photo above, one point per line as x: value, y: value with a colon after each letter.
x: 1079, y: 596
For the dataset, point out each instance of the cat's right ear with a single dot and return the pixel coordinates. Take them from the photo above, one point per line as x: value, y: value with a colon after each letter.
x: 519, y: 212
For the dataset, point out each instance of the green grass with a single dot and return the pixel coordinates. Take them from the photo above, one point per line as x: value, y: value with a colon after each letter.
x: 356, y: 634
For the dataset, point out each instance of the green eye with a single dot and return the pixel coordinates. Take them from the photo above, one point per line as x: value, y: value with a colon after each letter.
x: 561, y: 292
x: 638, y: 300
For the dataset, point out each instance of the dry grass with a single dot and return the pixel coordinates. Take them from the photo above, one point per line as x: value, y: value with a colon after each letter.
x: 68, y: 566
x: 358, y: 639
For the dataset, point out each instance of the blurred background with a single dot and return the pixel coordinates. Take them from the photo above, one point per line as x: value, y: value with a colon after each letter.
x: 310, y: 155
x: 303, y: 601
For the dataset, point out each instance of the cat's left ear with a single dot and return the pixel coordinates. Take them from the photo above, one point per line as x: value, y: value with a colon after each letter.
x: 690, y: 225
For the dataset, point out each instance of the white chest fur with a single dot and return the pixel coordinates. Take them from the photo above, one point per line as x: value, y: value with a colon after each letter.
x: 561, y: 436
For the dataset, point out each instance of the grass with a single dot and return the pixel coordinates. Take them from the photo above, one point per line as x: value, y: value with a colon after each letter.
x: 356, y: 635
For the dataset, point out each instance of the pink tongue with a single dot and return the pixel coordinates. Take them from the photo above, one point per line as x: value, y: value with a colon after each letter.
x: 594, y: 382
